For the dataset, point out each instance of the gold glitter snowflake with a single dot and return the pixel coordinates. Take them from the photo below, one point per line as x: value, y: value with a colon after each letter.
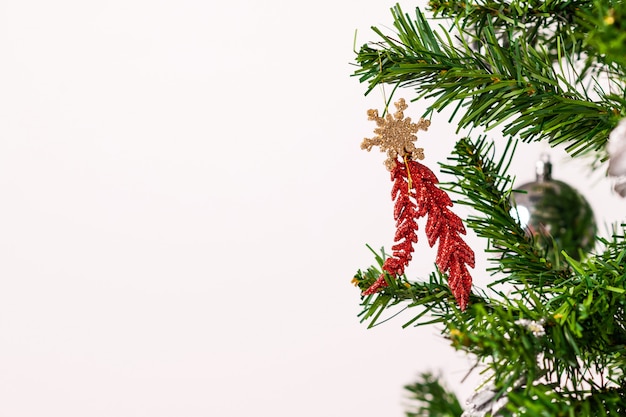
x: 395, y: 135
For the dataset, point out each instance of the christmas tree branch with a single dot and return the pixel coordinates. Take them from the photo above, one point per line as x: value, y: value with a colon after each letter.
x: 581, y: 306
x: 542, y: 400
x: 433, y: 296
x: 563, y: 323
x: 486, y: 188
x: 604, y: 28
x: 514, y: 85
x: 532, y: 18
x: 574, y: 331
x: 519, y: 12
x: 430, y: 398
x: 549, y: 332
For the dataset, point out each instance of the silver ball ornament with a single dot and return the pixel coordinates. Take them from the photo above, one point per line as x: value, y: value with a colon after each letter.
x: 556, y: 215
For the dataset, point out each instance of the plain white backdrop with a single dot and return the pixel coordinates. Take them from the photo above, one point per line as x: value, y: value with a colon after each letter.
x: 184, y: 203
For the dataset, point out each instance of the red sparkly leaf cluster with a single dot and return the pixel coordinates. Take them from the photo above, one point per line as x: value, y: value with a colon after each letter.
x: 416, y: 195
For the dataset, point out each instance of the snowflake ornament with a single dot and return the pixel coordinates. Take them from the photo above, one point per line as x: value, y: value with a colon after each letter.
x: 396, y: 134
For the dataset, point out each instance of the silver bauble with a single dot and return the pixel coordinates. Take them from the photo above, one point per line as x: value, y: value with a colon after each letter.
x: 555, y: 214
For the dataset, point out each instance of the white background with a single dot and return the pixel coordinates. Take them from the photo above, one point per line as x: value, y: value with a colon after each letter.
x: 184, y: 203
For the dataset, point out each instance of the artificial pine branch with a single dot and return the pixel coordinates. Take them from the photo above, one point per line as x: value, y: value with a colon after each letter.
x: 514, y: 85
x: 562, y: 326
x: 429, y: 398
x: 482, y: 179
x: 433, y: 296
x: 530, y: 18
x: 551, y: 331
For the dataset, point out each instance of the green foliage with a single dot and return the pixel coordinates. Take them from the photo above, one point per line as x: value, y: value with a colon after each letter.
x: 550, y: 330
x: 605, y: 29
x: 546, y: 23
x: 495, y: 78
x: 577, y: 331
x: 429, y: 398
x: 435, y: 295
x: 487, y: 188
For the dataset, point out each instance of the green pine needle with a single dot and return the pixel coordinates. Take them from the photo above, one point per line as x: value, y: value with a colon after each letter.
x: 494, y: 78
x: 429, y: 398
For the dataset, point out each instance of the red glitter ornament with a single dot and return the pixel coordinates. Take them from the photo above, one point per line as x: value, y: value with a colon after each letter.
x: 416, y: 195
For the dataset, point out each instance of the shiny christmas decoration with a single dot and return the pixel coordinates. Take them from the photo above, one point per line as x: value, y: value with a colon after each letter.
x: 485, y: 402
x: 616, y: 147
x: 556, y: 215
x: 416, y: 195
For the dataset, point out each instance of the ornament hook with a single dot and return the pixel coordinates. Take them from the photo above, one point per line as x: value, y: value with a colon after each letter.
x: 543, y: 168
